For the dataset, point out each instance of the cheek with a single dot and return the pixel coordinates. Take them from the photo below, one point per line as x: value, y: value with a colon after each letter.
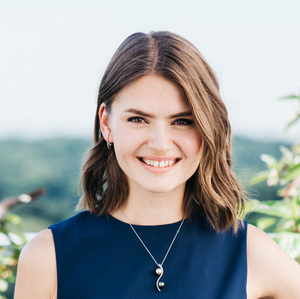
x: 126, y: 142
x: 192, y: 144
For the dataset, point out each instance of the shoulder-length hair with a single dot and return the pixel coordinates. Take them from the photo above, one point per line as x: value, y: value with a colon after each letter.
x: 213, y: 189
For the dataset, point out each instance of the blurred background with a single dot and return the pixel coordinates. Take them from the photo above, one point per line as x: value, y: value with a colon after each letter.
x: 53, y: 54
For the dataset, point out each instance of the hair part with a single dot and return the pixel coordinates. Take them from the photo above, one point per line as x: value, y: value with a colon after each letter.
x: 213, y: 189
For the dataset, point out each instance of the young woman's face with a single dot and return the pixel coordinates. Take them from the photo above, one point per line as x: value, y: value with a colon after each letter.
x: 155, y: 139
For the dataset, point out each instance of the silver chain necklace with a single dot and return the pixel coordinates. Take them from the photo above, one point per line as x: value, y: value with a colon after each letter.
x: 159, y: 270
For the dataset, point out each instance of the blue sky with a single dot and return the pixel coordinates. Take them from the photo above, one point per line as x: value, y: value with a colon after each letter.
x: 53, y: 53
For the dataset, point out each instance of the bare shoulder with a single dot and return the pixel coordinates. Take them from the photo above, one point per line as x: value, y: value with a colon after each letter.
x: 36, y: 277
x: 271, y: 272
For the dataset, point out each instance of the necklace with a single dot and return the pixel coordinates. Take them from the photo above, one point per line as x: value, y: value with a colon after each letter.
x: 159, y: 270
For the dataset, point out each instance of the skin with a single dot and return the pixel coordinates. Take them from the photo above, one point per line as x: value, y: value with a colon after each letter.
x: 156, y: 193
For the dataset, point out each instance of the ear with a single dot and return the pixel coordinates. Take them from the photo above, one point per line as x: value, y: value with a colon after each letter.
x: 104, y: 123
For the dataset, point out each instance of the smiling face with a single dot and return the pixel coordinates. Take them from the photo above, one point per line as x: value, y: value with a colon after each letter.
x: 156, y: 142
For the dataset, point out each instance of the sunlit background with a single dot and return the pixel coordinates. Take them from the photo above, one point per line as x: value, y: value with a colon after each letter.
x: 53, y: 54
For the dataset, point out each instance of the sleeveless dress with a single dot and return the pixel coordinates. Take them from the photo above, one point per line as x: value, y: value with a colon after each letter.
x: 101, y: 257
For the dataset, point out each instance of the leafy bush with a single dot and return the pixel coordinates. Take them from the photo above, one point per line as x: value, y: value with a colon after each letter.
x: 282, y: 216
x: 10, y: 252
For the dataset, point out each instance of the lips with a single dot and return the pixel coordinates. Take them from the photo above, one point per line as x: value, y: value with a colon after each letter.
x: 159, y: 163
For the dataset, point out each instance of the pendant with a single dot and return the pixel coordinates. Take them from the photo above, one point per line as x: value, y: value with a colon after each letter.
x: 159, y: 271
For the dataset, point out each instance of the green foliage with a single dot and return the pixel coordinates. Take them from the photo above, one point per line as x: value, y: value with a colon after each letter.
x: 282, y: 216
x: 296, y: 116
x: 9, y: 254
x: 246, y: 163
x: 11, y: 245
x: 53, y: 164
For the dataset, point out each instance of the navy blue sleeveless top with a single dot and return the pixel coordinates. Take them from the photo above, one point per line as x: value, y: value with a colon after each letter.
x: 101, y: 257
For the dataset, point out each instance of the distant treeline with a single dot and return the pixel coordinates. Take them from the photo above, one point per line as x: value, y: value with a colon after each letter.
x: 55, y: 164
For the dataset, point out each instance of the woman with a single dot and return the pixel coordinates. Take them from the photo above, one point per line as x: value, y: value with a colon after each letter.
x: 162, y: 201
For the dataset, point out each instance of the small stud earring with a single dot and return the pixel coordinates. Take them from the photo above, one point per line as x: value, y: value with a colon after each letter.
x: 109, y: 145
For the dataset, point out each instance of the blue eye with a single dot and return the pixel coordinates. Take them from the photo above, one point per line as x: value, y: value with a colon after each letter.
x: 136, y: 119
x: 183, y: 122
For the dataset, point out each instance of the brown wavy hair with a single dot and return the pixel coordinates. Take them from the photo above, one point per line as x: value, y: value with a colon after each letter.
x: 213, y: 189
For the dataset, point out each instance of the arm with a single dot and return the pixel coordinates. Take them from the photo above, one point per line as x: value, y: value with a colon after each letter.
x: 271, y: 272
x: 36, y: 276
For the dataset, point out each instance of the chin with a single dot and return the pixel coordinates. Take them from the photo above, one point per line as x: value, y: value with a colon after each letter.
x: 160, y: 189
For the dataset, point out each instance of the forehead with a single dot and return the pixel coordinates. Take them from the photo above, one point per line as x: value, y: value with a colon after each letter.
x: 152, y: 93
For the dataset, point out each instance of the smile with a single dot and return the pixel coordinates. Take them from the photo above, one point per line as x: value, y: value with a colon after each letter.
x: 155, y: 163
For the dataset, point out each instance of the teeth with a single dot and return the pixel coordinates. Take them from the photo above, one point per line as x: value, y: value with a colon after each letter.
x: 159, y: 163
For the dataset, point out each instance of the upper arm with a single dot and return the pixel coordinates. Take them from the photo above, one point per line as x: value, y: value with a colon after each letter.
x: 271, y: 272
x: 36, y: 276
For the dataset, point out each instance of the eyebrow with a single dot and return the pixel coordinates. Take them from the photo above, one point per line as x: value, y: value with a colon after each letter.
x: 145, y: 114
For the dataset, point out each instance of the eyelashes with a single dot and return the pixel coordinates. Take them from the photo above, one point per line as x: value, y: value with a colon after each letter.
x: 136, y: 119
x: 183, y: 122
x: 177, y: 122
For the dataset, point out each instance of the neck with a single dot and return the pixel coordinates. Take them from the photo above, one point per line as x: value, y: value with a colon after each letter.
x: 152, y: 208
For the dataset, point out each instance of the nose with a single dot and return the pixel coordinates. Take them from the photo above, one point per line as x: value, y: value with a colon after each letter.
x: 160, y: 139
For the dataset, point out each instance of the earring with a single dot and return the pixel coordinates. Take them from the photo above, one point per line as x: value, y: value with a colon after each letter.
x: 109, y: 145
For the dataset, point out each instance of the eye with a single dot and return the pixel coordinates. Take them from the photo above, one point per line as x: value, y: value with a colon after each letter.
x: 183, y: 122
x: 136, y: 119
